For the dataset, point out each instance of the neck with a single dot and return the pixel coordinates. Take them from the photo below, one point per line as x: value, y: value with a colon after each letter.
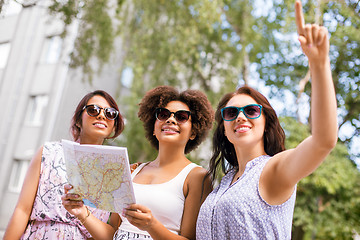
x: 170, y: 155
x: 245, y: 155
x: 83, y: 140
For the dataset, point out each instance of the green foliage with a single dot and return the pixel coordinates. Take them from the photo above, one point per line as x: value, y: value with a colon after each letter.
x: 133, y: 137
x: 184, y: 44
x: 283, y: 65
x: 210, y: 44
x: 179, y: 43
x: 328, y: 201
x: 96, y: 35
x: 346, y: 64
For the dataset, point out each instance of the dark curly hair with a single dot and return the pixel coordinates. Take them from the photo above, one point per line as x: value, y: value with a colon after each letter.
x: 76, y: 119
x: 223, y: 149
x: 202, y: 113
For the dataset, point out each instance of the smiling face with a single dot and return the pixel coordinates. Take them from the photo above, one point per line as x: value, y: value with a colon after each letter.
x: 244, y: 132
x: 171, y: 131
x: 94, y: 130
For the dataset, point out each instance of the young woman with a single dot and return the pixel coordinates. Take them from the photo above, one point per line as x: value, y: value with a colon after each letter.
x: 256, y: 197
x: 170, y: 189
x: 39, y: 213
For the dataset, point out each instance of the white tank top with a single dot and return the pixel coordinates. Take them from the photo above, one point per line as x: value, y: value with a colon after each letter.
x: 165, y: 200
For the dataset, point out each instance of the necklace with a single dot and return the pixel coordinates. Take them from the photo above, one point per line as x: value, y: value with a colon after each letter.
x: 237, y: 177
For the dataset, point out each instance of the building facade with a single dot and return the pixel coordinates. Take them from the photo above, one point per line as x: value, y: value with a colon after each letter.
x: 38, y: 92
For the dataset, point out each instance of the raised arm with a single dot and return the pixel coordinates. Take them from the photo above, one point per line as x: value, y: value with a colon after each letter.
x: 21, y: 215
x: 289, y: 167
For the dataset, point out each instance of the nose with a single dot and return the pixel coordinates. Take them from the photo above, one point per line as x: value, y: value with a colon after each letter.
x: 241, y: 116
x: 101, y: 114
x: 171, y: 119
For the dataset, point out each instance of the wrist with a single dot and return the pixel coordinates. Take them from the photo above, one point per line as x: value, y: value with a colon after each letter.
x: 152, y: 226
x: 83, y: 219
x: 320, y: 63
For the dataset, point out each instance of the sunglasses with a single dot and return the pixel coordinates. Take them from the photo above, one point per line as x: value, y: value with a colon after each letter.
x: 163, y: 114
x: 251, y: 111
x: 94, y: 111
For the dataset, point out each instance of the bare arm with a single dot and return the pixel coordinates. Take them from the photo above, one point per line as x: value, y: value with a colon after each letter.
x: 199, y: 187
x: 97, y: 228
x: 21, y: 215
x: 195, y: 193
x: 287, y: 168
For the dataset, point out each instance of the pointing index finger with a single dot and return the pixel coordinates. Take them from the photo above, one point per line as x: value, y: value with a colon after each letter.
x: 299, y: 17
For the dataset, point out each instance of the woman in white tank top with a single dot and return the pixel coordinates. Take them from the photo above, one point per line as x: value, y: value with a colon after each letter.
x: 170, y: 189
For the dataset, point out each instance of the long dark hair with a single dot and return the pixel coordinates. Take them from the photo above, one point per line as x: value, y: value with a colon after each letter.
x: 223, y: 149
x: 76, y: 121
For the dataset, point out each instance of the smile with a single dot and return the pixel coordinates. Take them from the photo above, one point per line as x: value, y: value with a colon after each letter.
x: 100, y: 125
x: 242, y: 129
x: 168, y: 130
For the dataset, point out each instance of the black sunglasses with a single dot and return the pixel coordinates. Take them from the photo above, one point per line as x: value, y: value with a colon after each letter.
x: 251, y: 111
x: 181, y: 116
x: 94, y: 110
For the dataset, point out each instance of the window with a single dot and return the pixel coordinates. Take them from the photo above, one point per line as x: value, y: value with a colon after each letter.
x: 36, y: 110
x: 11, y: 8
x: 52, y: 50
x: 17, y: 176
x: 4, y: 54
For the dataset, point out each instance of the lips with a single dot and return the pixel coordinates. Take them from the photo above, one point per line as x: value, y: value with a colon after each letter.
x: 100, y: 125
x: 242, y: 128
x: 168, y: 129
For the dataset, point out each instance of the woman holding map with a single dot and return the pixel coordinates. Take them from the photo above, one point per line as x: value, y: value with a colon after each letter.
x: 39, y: 213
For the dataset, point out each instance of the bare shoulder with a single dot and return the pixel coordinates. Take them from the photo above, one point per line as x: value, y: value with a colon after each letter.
x: 35, y: 163
x: 198, y: 178
x: 277, y: 160
x: 197, y: 173
x: 198, y: 184
x: 38, y: 155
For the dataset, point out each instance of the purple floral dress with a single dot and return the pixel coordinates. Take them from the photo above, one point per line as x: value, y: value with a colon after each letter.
x: 49, y: 219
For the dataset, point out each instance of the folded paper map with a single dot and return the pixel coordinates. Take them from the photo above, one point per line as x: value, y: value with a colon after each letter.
x: 99, y: 174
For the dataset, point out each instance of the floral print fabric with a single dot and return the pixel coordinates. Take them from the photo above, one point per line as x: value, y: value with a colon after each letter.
x: 49, y: 219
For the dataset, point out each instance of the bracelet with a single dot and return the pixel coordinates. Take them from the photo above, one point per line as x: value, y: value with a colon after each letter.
x: 84, y: 220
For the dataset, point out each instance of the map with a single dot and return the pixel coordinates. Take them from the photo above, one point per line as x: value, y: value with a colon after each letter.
x: 100, y: 175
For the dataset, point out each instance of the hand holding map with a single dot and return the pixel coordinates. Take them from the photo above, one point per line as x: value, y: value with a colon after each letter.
x: 100, y: 175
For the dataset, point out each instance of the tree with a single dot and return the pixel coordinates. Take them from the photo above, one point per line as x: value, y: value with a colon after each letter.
x: 328, y: 201
x: 287, y: 65
x: 212, y: 44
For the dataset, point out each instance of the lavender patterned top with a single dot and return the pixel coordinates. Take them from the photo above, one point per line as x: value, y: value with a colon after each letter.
x: 238, y: 211
x: 49, y: 219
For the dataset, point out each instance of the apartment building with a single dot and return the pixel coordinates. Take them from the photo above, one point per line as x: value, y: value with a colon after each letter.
x: 38, y: 91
